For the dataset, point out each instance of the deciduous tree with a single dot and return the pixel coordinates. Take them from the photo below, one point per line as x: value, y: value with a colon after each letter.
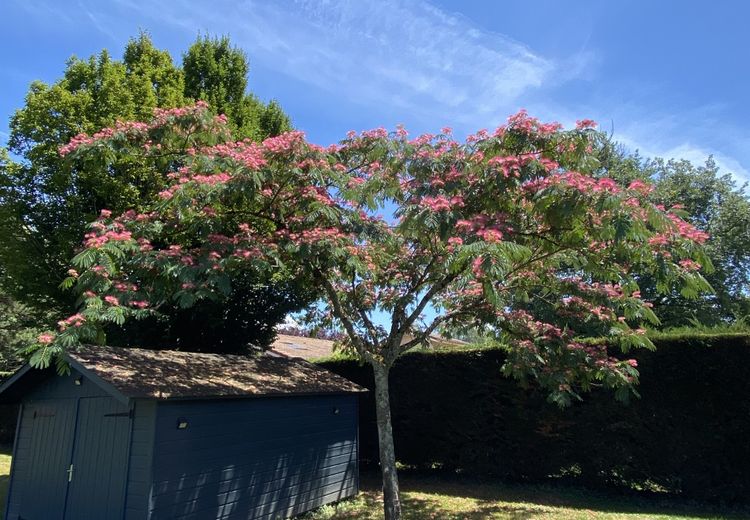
x: 46, y: 201
x: 508, y: 229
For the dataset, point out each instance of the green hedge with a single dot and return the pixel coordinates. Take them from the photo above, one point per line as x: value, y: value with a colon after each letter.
x: 688, y: 434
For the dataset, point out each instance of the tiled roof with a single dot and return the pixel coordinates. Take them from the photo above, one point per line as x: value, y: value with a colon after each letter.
x: 302, y: 347
x: 313, y: 348
x: 170, y: 374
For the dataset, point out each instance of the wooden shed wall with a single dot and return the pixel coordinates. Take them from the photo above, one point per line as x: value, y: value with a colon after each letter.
x: 141, y: 459
x: 253, y: 458
x: 46, y: 435
x: 43, y: 445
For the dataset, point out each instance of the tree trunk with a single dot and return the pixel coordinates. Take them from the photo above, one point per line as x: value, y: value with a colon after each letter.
x: 391, y: 498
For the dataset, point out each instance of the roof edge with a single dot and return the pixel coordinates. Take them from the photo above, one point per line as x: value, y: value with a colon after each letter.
x: 13, y: 379
x: 98, y: 381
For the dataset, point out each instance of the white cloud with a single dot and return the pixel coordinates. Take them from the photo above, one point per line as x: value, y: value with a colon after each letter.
x: 675, y: 147
x: 396, y: 54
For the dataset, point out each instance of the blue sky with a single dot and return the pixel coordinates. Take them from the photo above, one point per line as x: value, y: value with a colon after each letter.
x: 668, y: 78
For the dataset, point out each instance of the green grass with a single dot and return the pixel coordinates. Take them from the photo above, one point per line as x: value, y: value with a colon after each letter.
x: 451, y: 499
x: 5, y: 452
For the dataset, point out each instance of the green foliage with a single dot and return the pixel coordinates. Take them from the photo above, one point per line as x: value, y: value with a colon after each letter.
x: 685, y: 435
x: 216, y: 72
x: 483, y: 230
x: 47, y: 201
x: 19, y: 327
x: 247, y: 316
x: 714, y: 203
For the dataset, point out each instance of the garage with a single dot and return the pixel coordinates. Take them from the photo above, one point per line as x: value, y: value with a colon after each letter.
x: 136, y: 434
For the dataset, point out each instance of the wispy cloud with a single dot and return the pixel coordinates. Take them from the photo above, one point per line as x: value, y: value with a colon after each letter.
x: 692, y: 135
x: 394, y: 53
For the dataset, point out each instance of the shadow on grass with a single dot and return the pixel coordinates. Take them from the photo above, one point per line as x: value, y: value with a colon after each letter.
x: 527, y: 502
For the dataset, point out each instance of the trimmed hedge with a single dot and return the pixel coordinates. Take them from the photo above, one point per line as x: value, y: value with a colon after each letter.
x: 687, y: 434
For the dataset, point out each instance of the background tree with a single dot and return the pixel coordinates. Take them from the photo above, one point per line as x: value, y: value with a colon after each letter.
x: 510, y: 230
x: 715, y: 204
x: 46, y: 201
x: 216, y: 72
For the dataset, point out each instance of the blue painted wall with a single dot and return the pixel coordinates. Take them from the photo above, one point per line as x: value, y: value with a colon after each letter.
x: 253, y: 458
x: 262, y: 458
x: 141, y: 458
x: 43, y: 448
x: 63, y: 423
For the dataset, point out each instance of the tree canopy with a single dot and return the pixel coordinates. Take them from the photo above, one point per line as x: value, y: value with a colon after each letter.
x: 46, y: 201
x: 715, y: 204
x: 514, y: 230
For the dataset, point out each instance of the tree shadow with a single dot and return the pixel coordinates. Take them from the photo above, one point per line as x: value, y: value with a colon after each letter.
x: 527, y: 502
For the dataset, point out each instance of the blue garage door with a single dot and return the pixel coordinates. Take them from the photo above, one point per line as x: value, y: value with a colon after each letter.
x: 100, y: 460
x: 42, y: 455
x: 71, y: 460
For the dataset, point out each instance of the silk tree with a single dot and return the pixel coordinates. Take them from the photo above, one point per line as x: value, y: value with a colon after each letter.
x: 507, y: 230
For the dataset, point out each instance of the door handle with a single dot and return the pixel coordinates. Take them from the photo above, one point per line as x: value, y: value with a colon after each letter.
x: 70, y: 473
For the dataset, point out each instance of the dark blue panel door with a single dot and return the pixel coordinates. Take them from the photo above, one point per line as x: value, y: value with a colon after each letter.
x: 43, y: 452
x: 100, y: 460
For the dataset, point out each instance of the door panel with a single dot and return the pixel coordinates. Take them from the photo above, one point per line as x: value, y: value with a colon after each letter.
x: 100, y: 460
x: 44, y: 446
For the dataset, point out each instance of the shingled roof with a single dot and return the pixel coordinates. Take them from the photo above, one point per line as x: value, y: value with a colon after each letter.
x: 170, y: 374
x: 314, y: 348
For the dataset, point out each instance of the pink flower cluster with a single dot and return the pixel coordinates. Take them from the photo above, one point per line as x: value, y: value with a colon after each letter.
x: 312, y: 236
x: 489, y: 229
x: 641, y: 187
x: 284, y: 142
x: 689, y: 265
x: 45, y: 338
x: 687, y: 230
x: 76, y: 320
x: 521, y: 121
x: 102, y: 234
x: 132, y: 128
x: 582, y: 124
x: 247, y: 153
x: 575, y: 180
x: 442, y: 203
x: 511, y: 165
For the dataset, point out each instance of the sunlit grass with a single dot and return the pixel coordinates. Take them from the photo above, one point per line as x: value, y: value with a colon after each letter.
x: 4, y: 476
x: 427, y: 498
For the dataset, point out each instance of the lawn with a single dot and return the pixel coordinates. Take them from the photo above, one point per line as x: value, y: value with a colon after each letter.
x: 4, y: 476
x: 449, y: 499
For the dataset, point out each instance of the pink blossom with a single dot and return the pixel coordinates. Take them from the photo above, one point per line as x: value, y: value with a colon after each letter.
x: 585, y: 123
x: 355, y: 181
x: 45, y: 338
x: 641, y: 187
x: 689, y: 264
x: 112, y: 300
x: 476, y: 266
x: 490, y: 235
x: 442, y: 203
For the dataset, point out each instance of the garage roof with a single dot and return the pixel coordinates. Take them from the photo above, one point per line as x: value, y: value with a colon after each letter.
x: 169, y: 374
